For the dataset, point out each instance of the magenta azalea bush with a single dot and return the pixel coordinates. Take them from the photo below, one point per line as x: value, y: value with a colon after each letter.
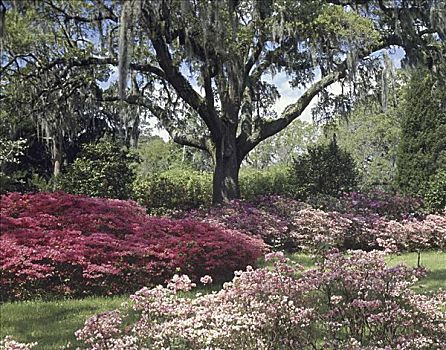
x: 292, y: 225
x: 267, y: 218
x: 349, y: 301
x: 61, y: 244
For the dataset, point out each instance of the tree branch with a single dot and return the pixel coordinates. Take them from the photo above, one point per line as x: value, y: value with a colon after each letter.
x: 111, y: 16
x: 189, y: 140
x: 291, y: 112
x: 204, y: 143
x: 87, y: 61
x: 184, y: 89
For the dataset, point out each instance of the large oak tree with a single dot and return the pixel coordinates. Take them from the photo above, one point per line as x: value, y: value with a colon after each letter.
x: 201, y: 67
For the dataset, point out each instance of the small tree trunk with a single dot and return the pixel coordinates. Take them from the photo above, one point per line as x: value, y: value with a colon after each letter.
x: 57, y: 157
x: 226, y: 171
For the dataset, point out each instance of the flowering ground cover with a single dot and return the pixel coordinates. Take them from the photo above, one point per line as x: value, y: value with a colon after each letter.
x: 56, y: 244
x: 53, y: 323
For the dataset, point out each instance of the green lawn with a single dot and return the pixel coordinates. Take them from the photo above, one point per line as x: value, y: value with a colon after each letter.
x: 52, y: 323
x: 434, y: 262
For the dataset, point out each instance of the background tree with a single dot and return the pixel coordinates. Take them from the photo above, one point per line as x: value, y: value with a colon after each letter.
x: 371, y: 136
x: 422, y: 150
x: 200, y: 66
x: 157, y: 155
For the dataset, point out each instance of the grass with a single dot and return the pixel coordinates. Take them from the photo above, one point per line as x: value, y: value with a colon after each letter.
x: 434, y: 262
x: 53, y: 323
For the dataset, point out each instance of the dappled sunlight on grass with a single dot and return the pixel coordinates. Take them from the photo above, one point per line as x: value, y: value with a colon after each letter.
x: 434, y: 262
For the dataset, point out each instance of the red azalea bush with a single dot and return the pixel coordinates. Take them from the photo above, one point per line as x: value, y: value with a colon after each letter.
x: 288, y: 224
x: 351, y: 301
x: 56, y: 243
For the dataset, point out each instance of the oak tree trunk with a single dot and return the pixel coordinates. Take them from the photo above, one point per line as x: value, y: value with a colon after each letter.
x: 226, y: 171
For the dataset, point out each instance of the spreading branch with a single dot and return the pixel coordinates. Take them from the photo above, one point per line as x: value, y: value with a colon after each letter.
x: 184, y: 88
x: 204, y: 143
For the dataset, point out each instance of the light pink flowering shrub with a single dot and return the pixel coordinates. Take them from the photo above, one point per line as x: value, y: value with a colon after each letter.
x: 372, y: 304
x: 348, y: 302
x: 8, y: 343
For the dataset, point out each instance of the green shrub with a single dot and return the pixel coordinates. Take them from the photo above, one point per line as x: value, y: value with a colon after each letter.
x: 255, y: 183
x: 435, y: 195
x: 324, y: 169
x: 102, y: 170
x: 175, y: 189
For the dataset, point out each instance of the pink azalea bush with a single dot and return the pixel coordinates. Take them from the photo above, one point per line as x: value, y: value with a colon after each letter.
x: 61, y: 244
x: 264, y: 218
x: 384, y: 204
x: 292, y: 225
x: 349, y: 301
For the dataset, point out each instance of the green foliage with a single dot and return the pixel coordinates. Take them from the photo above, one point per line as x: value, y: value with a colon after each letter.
x: 422, y: 150
x: 435, y: 194
x: 173, y: 190
x: 371, y: 136
x: 10, y: 153
x: 103, y: 169
x: 157, y: 155
x: 269, y: 181
x: 325, y: 169
x: 278, y: 149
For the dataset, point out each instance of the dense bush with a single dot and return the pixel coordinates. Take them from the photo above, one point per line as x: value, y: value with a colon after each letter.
x: 292, y: 225
x: 435, y: 194
x: 173, y: 190
x: 55, y: 243
x: 10, y: 154
x: 182, y: 189
x: 324, y: 169
x: 270, y: 181
x: 348, y: 302
x: 102, y: 170
x: 384, y: 204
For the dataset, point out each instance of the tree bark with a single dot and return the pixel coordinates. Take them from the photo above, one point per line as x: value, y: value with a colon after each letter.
x: 227, y: 166
x: 57, y: 157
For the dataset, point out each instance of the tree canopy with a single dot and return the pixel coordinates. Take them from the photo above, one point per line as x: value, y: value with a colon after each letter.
x: 200, y: 67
